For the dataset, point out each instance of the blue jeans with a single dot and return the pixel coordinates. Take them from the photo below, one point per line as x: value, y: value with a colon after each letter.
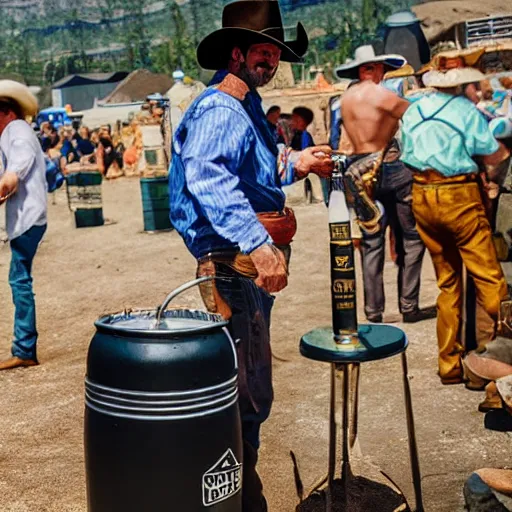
x: 250, y: 324
x: 23, y: 249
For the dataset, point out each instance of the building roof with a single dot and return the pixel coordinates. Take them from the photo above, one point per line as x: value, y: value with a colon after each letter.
x: 90, y: 78
x: 138, y: 85
x: 438, y: 18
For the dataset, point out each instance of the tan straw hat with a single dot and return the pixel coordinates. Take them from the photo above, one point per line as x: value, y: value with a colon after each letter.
x: 21, y: 94
x: 402, y: 72
x: 452, y: 77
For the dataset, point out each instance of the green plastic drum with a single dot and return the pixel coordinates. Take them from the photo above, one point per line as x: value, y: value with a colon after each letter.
x: 155, y: 203
x: 84, y: 198
x: 89, y: 217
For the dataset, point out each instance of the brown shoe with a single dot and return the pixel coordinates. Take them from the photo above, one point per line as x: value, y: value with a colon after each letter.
x: 454, y: 377
x: 16, y: 362
x: 492, y: 398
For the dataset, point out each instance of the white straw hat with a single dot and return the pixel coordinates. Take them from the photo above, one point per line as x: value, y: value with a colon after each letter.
x: 21, y: 94
x: 452, y: 77
x: 366, y: 55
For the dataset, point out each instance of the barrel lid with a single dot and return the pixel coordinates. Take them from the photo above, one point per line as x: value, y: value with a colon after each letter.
x: 172, y: 322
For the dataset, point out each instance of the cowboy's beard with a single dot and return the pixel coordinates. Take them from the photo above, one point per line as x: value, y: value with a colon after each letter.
x: 257, y: 77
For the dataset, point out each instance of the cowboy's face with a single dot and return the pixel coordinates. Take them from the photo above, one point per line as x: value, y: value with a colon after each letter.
x: 373, y: 71
x: 260, y: 64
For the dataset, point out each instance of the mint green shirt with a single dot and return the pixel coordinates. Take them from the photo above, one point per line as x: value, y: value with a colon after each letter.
x: 443, y: 132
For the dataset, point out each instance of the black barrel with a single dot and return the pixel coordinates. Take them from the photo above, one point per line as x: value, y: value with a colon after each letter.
x: 162, y: 426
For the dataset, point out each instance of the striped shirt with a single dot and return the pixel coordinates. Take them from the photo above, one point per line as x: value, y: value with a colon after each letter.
x: 224, y: 171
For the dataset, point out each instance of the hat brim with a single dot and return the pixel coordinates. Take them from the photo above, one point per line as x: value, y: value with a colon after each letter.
x: 453, y: 77
x: 214, y: 50
x: 21, y: 94
x: 351, y: 69
x: 402, y: 72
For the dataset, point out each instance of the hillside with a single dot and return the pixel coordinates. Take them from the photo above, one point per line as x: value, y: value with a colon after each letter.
x: 44, y: 40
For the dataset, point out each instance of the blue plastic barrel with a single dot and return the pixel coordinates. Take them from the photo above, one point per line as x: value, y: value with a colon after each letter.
x: 155, y: 203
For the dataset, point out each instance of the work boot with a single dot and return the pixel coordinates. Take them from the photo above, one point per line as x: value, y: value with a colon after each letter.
x: 492, y: 398
x: 375, y: 319
x: 418, y: 315
x: 17, y: 362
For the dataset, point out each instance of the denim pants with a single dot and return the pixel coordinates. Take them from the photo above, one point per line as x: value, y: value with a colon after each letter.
x: 23, y: 250
x: 395, y: 194
x: 250, y: 327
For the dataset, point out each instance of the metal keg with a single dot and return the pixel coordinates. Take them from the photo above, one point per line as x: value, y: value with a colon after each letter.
x: 162, y: 425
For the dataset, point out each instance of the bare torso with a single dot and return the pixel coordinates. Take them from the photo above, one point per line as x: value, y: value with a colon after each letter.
x: 371, y: 114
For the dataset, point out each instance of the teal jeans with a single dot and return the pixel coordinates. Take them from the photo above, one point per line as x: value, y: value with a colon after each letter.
x: 23, y: 250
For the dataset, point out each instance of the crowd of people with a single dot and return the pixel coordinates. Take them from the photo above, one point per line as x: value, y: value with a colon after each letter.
x: 112, y: 151
x: 428, y: 166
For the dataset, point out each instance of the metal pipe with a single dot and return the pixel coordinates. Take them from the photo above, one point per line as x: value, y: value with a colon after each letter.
x: 345, y: 467
x: 411, y: 434
x: 332, y: 441
x: 354, y: 391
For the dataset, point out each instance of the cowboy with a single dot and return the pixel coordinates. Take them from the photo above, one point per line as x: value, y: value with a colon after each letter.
x: 23, y: 188
x: 226, y: 199
x: 371, y: 115
x: 442, y: 133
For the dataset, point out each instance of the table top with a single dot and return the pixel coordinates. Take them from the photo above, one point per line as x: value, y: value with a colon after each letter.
x: 373, y: 342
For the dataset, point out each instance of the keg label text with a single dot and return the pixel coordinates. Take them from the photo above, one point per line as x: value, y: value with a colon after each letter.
x: 222, y: 480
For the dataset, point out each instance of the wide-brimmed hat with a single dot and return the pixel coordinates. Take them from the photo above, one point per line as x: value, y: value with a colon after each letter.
x: 366, y: 55
x: 452, y: 77
x: 250, y: 21
x: 402, y: 72
x: 442, y: 61
x: 21, y: 94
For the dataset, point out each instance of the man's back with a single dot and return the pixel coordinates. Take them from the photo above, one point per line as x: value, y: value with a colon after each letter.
x: 370, y: 116
x: 443, y: 132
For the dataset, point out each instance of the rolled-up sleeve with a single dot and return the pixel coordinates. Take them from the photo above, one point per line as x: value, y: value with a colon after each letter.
x: 20, y: 158
x: 213, y: 153
x: 484, y: 142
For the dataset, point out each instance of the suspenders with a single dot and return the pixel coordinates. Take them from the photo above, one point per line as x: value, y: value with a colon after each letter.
x: 432, y: 117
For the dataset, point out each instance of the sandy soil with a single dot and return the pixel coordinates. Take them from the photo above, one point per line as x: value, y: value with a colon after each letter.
x: 83, y: 273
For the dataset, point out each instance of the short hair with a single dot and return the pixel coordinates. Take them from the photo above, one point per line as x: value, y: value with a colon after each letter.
x: 305, y: 113
x: 243, y: 44
x: 273, y: 109
x: 7, y: 105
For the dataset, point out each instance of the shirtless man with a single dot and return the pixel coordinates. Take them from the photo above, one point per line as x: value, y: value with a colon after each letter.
x: 371, y: 115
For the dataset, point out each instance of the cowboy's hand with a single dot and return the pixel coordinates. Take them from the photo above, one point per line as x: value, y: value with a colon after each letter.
x: 8, y: 185
x: 271, y: 266
x: 316, y: 159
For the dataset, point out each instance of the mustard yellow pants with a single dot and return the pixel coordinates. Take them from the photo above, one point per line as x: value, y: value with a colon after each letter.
x: 452, y: 223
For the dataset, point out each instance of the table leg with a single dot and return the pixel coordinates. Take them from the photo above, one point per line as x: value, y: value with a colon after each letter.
x: 354, y: 400
x: 345, y: 468
x: 411, y: 434
x: 332, y: 440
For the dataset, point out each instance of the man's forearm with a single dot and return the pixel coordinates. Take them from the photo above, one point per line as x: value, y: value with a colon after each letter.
x: 497, y: 165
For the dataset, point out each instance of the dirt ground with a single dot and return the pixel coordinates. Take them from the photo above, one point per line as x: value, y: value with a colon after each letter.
x: 82, y: 273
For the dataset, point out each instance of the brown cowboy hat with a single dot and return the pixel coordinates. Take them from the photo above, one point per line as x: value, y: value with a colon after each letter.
x: 254, y: 21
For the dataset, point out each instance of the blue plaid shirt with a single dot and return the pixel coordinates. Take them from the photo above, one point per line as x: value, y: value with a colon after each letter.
x: 223, y: 172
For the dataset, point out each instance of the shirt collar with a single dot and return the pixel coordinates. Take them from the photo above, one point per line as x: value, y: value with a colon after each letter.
x: 236, y: 85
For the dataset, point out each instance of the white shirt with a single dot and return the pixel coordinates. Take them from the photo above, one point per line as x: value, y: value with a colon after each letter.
x: 21, y: 153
